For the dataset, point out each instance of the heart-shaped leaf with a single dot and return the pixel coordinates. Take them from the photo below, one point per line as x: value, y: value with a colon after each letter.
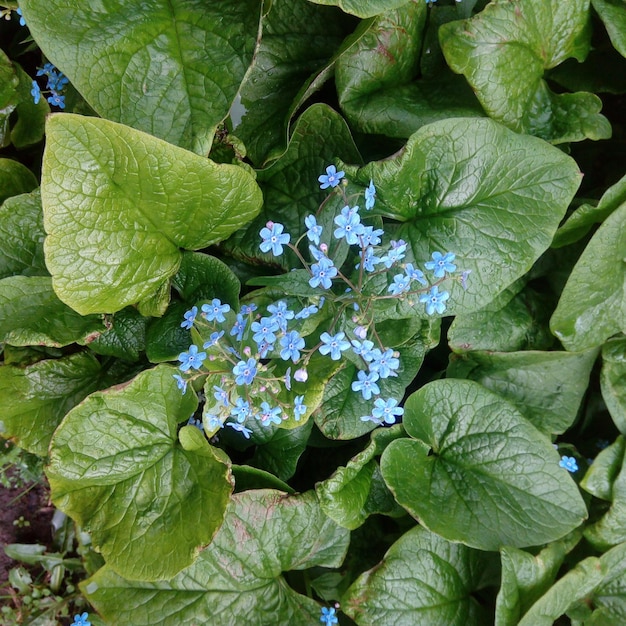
x: 480, y: 473
x: 119, y: 205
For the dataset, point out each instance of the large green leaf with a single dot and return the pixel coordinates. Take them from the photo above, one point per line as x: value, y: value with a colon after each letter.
x: 124, y: 337
x: 423, y: 579
x: 15, y: 179
x: 169, y: 68
x: 472, y: 187
x: 613, y: 14
x: 613, y: 381
x: 237, y: 579
x: 378, y: 78
x: 503, y: 52
x: 479, y: 472
x: 546, y: 387
x: 32, y: 314
x: 21, y: 236
x: 117, y: 468
x: 34, y: 399
x: 593, y: 303
x: 605, y: 468
x: 363, y: 8
x: 119, y: 205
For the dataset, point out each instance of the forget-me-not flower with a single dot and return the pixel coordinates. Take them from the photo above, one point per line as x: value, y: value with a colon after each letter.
x: 332, y: 177
x: 215, y: 311
x: 191, y: 359
x: 435, y: 300
x: 314, y: 229
x: 370, y: 196
x: 569, y: 463
x: 273, y: 238
x: 441, y: 264
x: 334, y: 344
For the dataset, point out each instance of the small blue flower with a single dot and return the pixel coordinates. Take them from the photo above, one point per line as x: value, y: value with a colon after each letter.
x: 314, y: 229
x: 81, y: 620
x: 384, y: 363
x: 269, y: 415
x: 349, y: 223
x: 248, y: 308
x: 46, y: 70
x: 371, y: 237
x: 306, y: 312
x: 328, y: 617
x: 213, y: 422
x: 221, y: 395
x: 273, y: 238
x: 245, y: 371
x: 56, y: 82
x: 23, y: 23
x: 264, y: 331
x: 366, y: 384
x: 280, y: 314
x: 241, y: 410
x: 370, y: 196
x: 316, y: 253
x: 401, y: 283
x: 35, y: 92
x: 414, y: 274
x: 441, y: 264
x: 240, y: 428
x: 363, y: 349
x: 291, y: 345
x: 434, y: 300
x: 56, y: 100
x: 192, y: 359
x: 213, y: 339
x: 239, y: 327
x: 192, y: 421
x: 370, y: 418
x: 181, y: 383
x: 398, y: 248
x: 287, y: 379
x: 215, y: 311
x: 323, y: 273
x: 334, y: 345
x: 386, y: 410
x: 190, y: 317
x: 332, y: 177
x: 370, y: 260
x: 569, y: 463
x: 299, y: 409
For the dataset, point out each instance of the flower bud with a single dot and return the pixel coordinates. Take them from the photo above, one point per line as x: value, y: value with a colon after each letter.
x: 301, y: 375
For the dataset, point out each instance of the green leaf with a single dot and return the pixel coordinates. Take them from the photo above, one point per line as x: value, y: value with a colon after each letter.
x: 363, y: 8
x: 546, y: 387
x: 238, y: 577
x: 503, y: 53
x: 8, y: 96
x: 117, y: 469
x: 593, y: 303
x: 609, y: 597
x: 31, y: 117
x: 153, y: 199
x: 378, y: 78
x: 125, y: 336
x: 15, y: 179
x: 423, y: 579
x: 613, y: 381
x: 298, y: 37
x: 356, y: 491
x: 613, y: 15
x: 247, y: 477
x: 173, y: 75
x: 526, y: 577
x: 34, y: 399
x: 32, y: 314
x: 165, y: 338
x: 480, y: 473
x: 472, y: 187
x: 21, y: 236
x: 605, y: 468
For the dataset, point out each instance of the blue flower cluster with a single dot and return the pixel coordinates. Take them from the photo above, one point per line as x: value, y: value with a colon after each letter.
x: 55, y: 86
x: 253, y: 352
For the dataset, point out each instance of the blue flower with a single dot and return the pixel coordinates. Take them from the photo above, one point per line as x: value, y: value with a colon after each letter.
x: 363, y: 349
x: 81, y: 620
x: 192, y: 421
x: 334, y: 345
x: 35, y: 92
x: 370, y: 196
x: 190, y: 317
x: 239, y: 327
x: 306, y: 312
x: 464, y: 276
x: 401, y: 283
x: 349, y: 223
x: 46, y: 70
x: 316, y: 253
x: 371, y: 237
x: 273, y: 238
x: 366, y: 384
x: 434, y: 300
x: 384, y: 363
x: 213, y: 339
x: 192, y: 359
x: 332, y: 177
x: 314, y: 229
x: 291, y: 345
x: 56, y: 100
x: 245, y: 371
x: 248, y: 308
x: 328, y: 617
x: 221, y: 395
x: 213, y: 422
x: 23, y: 23
x: 264, y: 330
x: 269, y: 415
x: 240, y: 428
x: 414, y: 274
x: 441, y: 264
x: 370, y: 260
x: 299, y: 409
x: 398, y: 248
x: 181, y: 383
x: 215, y: 311
x: 386, y: 410
x: 56, y: 82
x: 323, y: 273
x: 569, y: 463
x: 241, y: 410
x: 280, y: 314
